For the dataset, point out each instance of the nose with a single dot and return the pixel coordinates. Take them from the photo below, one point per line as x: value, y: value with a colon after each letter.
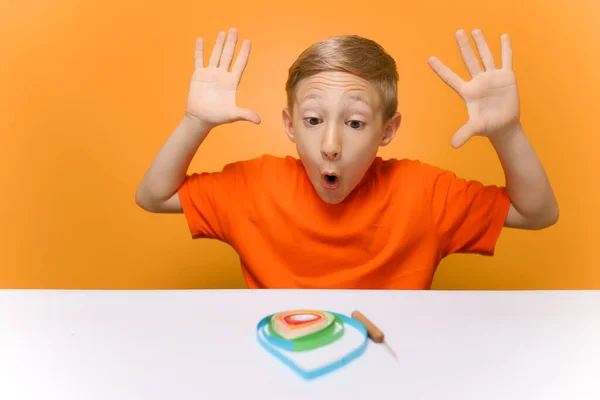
x: 331, y: 148
x: 330, y: 152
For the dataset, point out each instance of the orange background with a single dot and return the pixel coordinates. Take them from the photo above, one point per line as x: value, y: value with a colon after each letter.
x: 91, y: 90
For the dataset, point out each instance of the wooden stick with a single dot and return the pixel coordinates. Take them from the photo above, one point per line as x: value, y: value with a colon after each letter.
x: 374, y: 333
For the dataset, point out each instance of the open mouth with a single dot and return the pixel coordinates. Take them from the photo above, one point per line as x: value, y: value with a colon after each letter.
x: 331, y: 181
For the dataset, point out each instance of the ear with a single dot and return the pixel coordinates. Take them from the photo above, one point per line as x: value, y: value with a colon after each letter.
x: 390, y: 128
x: 288, y: 124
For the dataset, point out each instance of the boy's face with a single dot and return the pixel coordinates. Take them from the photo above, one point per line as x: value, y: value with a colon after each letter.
x: 337, y: 126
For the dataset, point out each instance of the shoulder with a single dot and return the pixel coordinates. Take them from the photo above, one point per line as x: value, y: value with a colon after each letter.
x: 256, y: 174
x: 263, y: 165
x: 269, y: 160
x: 439, y: 186
x: 418, y: 178
x: 407, y: 170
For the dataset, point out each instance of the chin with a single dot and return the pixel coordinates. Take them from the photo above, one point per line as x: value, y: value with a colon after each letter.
x: 332, y: 197
x: 329, y: 200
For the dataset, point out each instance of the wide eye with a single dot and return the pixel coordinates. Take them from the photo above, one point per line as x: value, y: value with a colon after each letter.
x: 312, y: 121
x: 355, y: 124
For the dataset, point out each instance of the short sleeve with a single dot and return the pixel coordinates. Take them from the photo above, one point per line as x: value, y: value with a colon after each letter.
x: 211, y: 202
x: 467, y: 215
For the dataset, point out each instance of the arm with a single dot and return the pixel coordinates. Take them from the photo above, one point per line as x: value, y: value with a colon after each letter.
x: 158, y: 190
x: 533, y: 205
x: 492, y: 102
x: 211, y: 102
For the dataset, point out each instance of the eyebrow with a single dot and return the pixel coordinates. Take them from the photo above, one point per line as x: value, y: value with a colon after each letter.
x: 355, y: 97
x: 310, y: 97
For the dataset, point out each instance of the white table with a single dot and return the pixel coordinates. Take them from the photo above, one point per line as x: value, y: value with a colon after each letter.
x: 150, y: 345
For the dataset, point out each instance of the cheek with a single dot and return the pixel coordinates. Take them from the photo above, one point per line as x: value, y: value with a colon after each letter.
x: 361, y: 147
x: 309, y: 142
x: 308, y: 149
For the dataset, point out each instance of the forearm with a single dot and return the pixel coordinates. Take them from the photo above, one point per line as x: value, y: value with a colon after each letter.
x: 168, y: 169
x: 527, y: 184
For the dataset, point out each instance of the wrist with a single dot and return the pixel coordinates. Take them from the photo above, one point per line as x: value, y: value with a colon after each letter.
x: 195, y: 124
x: 507, y: 134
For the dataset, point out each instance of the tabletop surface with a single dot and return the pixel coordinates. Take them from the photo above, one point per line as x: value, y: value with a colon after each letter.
x: 201, y: 344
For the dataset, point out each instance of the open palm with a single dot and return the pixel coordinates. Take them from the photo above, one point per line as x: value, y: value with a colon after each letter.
x: 491, y: 97
x: 212, y: 93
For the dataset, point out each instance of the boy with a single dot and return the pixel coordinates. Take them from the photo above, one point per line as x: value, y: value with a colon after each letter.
x: 339, y: 216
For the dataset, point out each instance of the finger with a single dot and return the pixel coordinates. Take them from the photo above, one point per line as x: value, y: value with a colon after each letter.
x: 506, y: 52
x: 248, y: 115
x: 216, y: 53
x: 446, y: 74
x: 229, y: 49
x: 467, y: 53
x: 242, y: 59
x: 484, y: 51
x: 463, y: 134
x: 199, y: 54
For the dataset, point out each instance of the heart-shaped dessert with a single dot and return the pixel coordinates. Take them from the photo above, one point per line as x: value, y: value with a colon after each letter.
x: 297, y: 323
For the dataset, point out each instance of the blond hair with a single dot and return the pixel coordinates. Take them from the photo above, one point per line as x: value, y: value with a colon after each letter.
x: 353, y: 54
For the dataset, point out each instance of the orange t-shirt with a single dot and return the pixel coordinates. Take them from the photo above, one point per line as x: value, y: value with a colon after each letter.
x: 389, y: 233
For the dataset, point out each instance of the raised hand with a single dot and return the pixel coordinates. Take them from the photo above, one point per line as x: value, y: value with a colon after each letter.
x: 491, y: 96
x: 212, y: 92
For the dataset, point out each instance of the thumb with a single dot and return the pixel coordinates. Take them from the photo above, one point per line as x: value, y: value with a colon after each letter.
x: 463, y: 134
x: 248, y: 115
